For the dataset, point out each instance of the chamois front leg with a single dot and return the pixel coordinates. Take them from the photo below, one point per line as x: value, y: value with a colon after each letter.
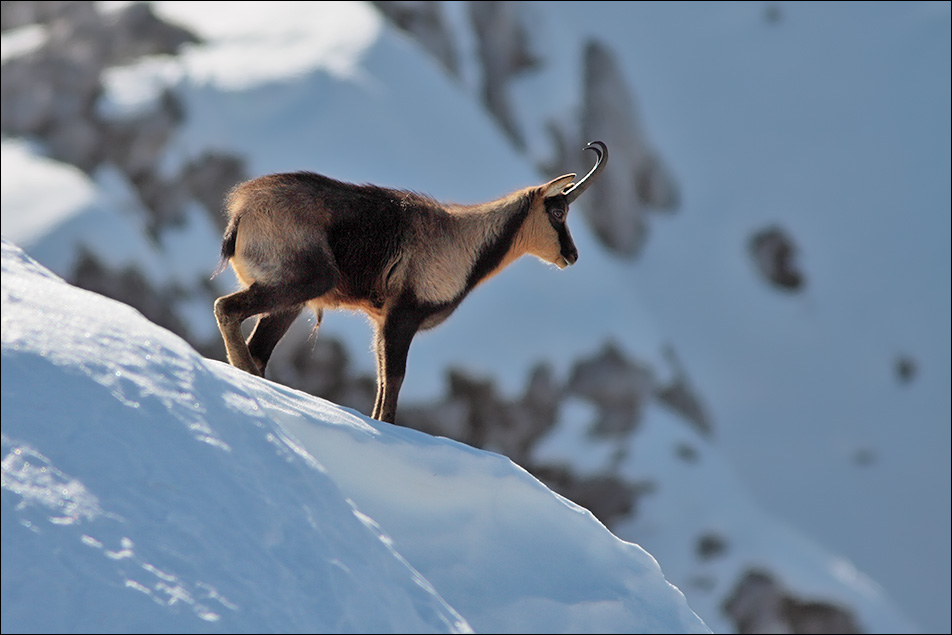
x: 392, y: 344
x: 379, y: 351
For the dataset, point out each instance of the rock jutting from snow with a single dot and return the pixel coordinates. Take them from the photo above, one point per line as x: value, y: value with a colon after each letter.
x: 759, y: 604
x: 774, y: 254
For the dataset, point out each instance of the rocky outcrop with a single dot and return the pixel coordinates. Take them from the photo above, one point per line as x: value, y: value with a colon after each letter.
x: 759, y: 604
x: 50, y: 93
x: 426, y: 23
x: 504, y: 52
x: 774, y: 254
x: 619, y: 387
x: 906, y: 368
x: 636, y: 180
x: 133, y: 288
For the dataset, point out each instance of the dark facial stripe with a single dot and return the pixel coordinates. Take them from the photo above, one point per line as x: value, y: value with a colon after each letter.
x: 566, y: 244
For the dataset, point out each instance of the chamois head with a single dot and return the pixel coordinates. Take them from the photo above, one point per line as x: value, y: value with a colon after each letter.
x: 548, y: 234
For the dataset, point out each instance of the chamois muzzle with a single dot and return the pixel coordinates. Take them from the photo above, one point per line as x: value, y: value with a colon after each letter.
x: 569, y: 254
x: 572, y: 192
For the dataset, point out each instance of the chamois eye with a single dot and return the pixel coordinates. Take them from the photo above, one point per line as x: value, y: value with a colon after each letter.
x: 558, y: 213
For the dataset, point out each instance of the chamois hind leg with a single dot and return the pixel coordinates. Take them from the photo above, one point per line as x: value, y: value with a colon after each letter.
x: 232, y: 310
x: 268, y: 332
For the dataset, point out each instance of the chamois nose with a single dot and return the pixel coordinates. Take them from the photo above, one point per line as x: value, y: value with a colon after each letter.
x: 570, y: 256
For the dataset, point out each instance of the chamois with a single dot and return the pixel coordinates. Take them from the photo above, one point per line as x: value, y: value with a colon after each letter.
x: 404, y: 259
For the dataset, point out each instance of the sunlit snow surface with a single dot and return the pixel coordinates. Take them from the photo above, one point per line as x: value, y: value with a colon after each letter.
x: 148, y: 489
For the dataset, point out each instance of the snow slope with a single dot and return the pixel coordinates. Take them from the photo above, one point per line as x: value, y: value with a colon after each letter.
x: 147, y: 489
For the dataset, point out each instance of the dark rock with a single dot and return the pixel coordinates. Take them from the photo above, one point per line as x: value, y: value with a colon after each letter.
x: 635, y: 181
x: 680, y: 395
x: 17, y: 13
x: 133, y: 288
x: 504, y: 51
x: 616, y: 385
x: 686, y: 453
x: 609, y: 497
x: 906, y: 369
x: 711, y: 545
x: 425, y: 22
x: 758, y: 604
x: 774, y: 254
x: 138, y: 32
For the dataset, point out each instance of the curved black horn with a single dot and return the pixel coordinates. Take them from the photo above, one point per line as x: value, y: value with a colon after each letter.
x: 572, y: 192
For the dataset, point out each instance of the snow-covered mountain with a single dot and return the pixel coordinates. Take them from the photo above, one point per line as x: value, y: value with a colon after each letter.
x: 766, y: 365
x: 149, y: 489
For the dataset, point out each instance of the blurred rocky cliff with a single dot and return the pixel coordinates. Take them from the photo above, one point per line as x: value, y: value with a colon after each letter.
x: 636, y: 182
x: 50, y: 95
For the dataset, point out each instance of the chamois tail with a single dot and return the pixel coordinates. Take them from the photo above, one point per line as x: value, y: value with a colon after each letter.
x: 228, y: 244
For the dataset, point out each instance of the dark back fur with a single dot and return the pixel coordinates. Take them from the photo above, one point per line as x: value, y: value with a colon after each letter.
x: 365, y: 225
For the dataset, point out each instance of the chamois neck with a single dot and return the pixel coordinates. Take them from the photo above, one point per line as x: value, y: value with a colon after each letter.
x: 490, y: 218
x: 489, y: 233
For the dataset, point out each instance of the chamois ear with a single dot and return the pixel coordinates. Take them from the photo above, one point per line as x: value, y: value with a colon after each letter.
x: 556, y: 185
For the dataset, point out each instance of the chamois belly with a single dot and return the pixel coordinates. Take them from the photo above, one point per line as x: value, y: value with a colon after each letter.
x: 438, y: 316
x: 334, y: 300
x: 365, y: 285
